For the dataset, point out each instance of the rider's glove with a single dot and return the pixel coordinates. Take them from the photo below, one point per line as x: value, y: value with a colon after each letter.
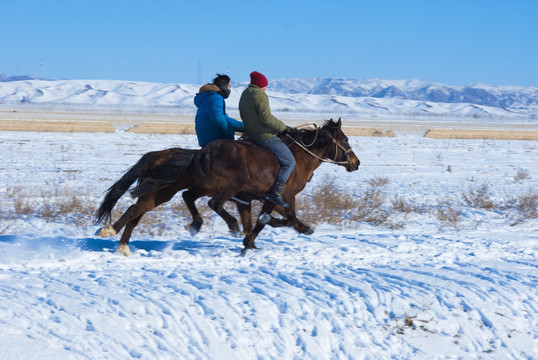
x: 286, y: 130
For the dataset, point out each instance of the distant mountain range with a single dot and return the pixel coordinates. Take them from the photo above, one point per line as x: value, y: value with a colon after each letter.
x: 480, y: 94
x: 5, y: 78
x: 295, y: 97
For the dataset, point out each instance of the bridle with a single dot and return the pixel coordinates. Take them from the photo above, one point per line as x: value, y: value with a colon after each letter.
x: 335, y: 142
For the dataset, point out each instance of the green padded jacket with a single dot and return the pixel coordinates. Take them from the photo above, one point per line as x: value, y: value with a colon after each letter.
x: 260, y: 124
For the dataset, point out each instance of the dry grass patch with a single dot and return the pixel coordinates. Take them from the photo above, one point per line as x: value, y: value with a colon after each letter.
x: 330, y: 204
x: 482, y: 134
x: 521, y: 175
x: 479, y: 198
x: 449, y: 213
x: 57, y: 126
x: 528, y: 204
x: 326, y: 203
x: 21, y: 204
x: 520, y: 208
x: 55, y: 205
x: 407, y: 207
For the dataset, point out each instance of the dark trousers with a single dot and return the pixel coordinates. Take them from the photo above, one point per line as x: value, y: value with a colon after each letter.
x: 284, y: 155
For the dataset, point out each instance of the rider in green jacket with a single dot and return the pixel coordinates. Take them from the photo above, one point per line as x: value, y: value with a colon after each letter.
x: 262, y: 128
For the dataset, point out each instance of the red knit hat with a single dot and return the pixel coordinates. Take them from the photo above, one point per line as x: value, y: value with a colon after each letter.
x: 258, y: 79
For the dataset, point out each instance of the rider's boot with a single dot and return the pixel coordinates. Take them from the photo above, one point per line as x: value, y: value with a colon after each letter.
x: 275, y: 196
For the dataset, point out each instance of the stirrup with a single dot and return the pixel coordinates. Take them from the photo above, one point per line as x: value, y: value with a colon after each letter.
x: 277, y: 200
x: 239, y: 200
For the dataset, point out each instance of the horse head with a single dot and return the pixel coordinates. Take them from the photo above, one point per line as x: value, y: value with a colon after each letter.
x: 330, y: 143
x: 341, y: 153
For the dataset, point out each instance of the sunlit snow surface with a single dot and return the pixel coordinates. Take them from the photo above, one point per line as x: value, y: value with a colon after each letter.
x: 426, y: 291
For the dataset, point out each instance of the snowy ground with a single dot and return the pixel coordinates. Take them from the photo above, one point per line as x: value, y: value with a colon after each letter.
x: 425, y: 291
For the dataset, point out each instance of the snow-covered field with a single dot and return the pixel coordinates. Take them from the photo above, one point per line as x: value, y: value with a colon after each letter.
x: 424, y: 291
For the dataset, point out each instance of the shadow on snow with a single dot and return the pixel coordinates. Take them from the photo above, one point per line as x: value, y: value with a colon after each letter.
x: 26, y: 242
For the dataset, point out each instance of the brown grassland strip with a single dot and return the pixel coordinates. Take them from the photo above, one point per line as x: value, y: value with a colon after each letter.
x: 57, y: 126
x: 58, y: 120
x: 481, y: 134
x: 162, y: 128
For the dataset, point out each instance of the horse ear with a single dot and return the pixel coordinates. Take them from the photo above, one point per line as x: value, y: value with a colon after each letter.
x: 339, y: 123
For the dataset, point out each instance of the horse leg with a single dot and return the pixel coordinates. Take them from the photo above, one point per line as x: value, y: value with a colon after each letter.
x: 190, y: 197
x: 265, y: 215
x: 144, y: 204
x: 111, y: 230
x: 154, y: 199
x: 216, y: 203
x: 123, y: 247
x: 303, y: 228
x: 287, y: 220
x: 245, y: 212
x: 290, y: 219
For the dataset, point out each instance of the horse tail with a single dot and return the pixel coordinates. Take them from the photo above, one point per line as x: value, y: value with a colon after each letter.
x: 180, y: 167
x: 116, y: 191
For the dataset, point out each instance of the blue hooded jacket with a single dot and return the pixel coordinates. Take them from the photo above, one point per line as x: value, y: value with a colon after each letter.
x: 212, y: 122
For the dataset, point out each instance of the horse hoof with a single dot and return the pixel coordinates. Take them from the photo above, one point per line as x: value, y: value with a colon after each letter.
x: 124, y: 250
x: 236, y: 233
x: 193, y: 231
x: 244, y: 250
x: 194, y: 227
x: 106, y: 231
x: 310, y: 231
x: 264, y: 218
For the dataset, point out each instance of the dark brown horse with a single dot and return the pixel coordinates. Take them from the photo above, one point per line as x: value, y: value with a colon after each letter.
x: 145, y: 168
x: 224, y: 168
x: 160, y: 176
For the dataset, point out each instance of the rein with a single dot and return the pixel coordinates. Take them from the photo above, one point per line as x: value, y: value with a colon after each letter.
x: 335, y: 142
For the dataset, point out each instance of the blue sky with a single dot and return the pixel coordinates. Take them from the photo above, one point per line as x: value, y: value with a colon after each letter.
x: 454, y: 42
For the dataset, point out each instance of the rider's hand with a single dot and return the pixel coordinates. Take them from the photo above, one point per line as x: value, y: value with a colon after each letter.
x: 286, y: 130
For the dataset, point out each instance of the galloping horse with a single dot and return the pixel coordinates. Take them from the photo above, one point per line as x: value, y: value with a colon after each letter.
x: 224, y: 168
x: 153, y: 190
x: 159, y: 179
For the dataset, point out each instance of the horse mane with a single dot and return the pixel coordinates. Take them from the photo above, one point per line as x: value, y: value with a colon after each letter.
x: 316, y: 138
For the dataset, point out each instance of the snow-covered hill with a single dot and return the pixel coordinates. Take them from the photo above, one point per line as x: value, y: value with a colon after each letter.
x: 479, y: 94
x: 4, y: 78
x: 296, y: 97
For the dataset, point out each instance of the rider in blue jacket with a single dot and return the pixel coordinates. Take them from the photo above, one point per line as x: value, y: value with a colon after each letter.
x: 212, y: 122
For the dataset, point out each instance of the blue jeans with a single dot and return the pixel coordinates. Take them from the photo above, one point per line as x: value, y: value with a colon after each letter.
x: 283, y: 154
